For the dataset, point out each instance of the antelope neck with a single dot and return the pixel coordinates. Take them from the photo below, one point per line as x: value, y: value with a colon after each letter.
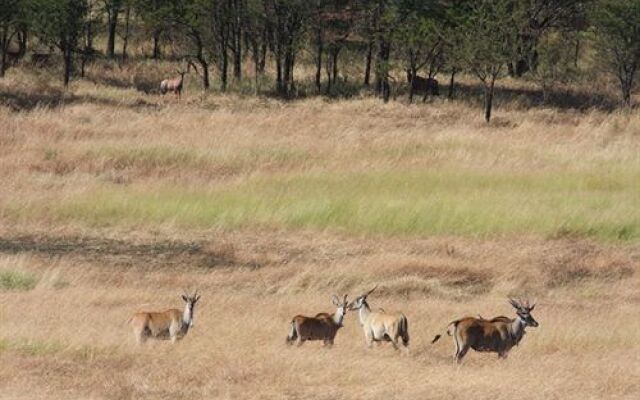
x: 338, y: 316
x: 187, y: 317
x: 516, y: 328
x: 364, y: 312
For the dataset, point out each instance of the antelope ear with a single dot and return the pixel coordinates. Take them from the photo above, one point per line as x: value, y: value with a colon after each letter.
x: 532, y: 307
x: 197, y: 298
x: 335, y: 300
x: 185, y: 299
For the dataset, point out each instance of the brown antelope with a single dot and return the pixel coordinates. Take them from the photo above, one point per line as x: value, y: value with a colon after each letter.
x: 420, y: 84
x: 379, y: 326
x: 323, y: 326
x: 169, y: 324
x: 497, y: 335
x: 173, y: 85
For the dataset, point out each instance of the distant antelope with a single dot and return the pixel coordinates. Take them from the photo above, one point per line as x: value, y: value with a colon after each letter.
x: 380, y: 326
x: 420, y: 85
x: 323, y: 326
x: 169, y: 324
x: 173, y: 85
x: 497, y: 335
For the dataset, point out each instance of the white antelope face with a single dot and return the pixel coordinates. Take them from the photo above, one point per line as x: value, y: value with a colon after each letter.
x: 341, y: 308
x: 189, y: 307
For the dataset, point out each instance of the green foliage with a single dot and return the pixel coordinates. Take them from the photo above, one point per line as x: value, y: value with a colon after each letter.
x: 16, y: 280
x: 617, y: 27
x: 552, y: 63
x: 491, y: 37
x: 60, y: 23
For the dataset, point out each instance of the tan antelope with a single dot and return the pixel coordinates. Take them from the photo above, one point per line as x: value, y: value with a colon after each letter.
x: 379, y: 326
x: 323, y: 326
x: 173, y: 85
x: 170, y: 324
x: 423, y: 85
x: 497, y: 335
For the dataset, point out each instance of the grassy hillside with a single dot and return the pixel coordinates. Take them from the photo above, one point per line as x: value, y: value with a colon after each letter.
x: 114, y: 200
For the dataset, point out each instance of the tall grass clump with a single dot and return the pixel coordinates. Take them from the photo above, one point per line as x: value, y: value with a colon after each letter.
x: 17, y: 280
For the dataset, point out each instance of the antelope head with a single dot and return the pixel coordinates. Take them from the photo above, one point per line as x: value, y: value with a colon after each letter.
x: 523, y: 310
x: 191, y: 301
x: 341, y: 308
x: 361, y: 300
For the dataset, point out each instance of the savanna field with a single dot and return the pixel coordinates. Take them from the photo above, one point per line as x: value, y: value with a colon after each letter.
x: 114, y: 200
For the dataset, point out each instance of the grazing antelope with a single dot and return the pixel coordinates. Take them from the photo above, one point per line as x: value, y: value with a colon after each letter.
x: 323, y: 326
x: 420, y: 84
x: 169, y: 324
x: 379, y: 326
x: 497, y: 335
x: 173, y: 85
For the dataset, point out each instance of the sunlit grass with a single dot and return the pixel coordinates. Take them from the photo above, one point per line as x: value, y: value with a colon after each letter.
x: 600, y: 205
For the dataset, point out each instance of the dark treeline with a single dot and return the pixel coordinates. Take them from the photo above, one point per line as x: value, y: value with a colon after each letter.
x: 537, y: 39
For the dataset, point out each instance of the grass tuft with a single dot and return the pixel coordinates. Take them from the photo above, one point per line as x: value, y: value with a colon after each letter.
x: 17, y: 280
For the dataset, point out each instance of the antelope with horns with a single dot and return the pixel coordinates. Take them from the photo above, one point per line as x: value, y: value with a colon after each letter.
x: 497, y: 335
x: 379, y: 326
x: 323, y: 326
x: 170, y: 324
x: 173, y: 85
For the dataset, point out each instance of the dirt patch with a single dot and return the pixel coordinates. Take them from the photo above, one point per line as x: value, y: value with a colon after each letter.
x: 148, y: 255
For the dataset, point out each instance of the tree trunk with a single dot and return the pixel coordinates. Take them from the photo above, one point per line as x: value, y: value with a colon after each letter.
x: 319, y: 44
x: 205, y: 73
x: 4, y: 38
x: 125, y: 38
x: 488, y: 99
x: 626, y: 83
x: 224, y: 70
x: 334, y: 63
x: 111, y: 32
x: 68, y: 64
x: 288, y: 73
x: 263, y: 52
x: 279, y: 86
x: 576, y: 53
x: 256, y: 70
x: 22, y: 42
x: 156, y: 44
x: 327, y: 68
x: 237, y: 60
x: 452, y: 84
x: 367, y: 67
x: 237, y: 39
x: 385, y: 49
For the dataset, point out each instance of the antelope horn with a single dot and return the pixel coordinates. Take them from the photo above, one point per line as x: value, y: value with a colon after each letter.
x: 371, y: 291
x: 514, y: 303
x: 345, y: 299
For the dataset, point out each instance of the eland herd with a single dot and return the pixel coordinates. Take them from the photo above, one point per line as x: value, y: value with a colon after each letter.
x: 496, y: 335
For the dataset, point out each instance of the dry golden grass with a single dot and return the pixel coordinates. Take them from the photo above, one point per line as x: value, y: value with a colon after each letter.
x: 116, y: 200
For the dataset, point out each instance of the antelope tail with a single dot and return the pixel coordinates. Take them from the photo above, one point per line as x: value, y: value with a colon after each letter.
x: 450, y: 330
x: 404, y: 330
x: 293, y: 333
